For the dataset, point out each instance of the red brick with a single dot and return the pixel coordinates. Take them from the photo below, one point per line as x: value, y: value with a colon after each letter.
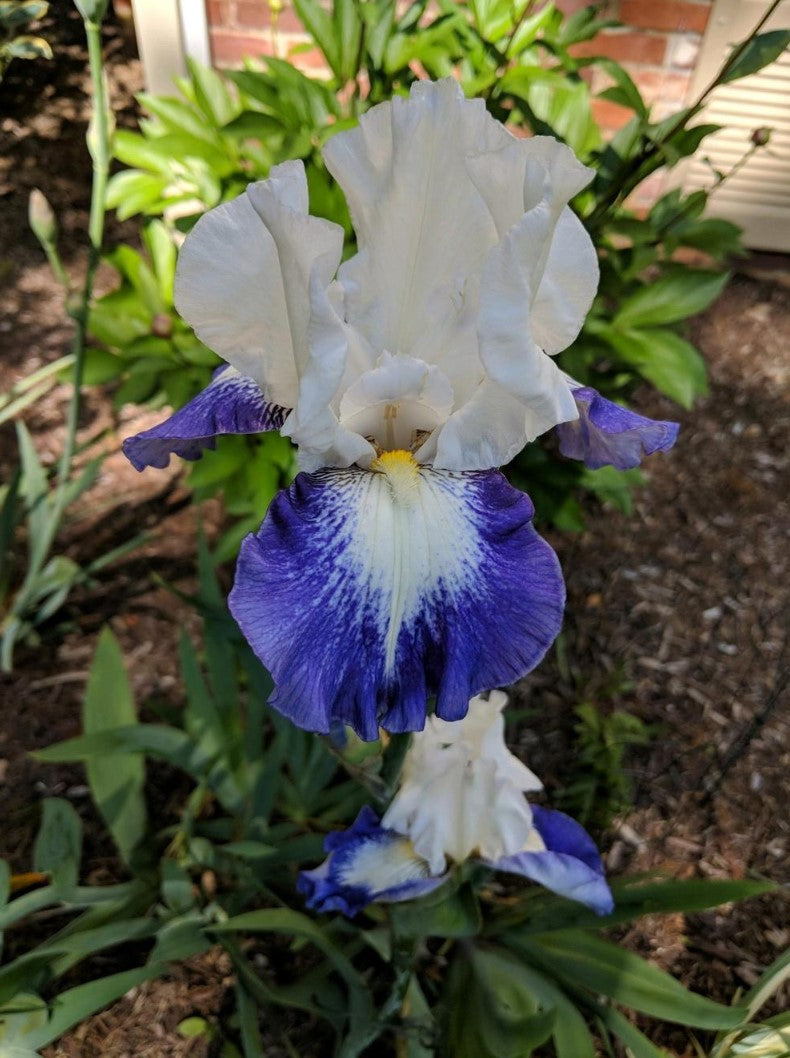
x: 570, y: 7
x: 610, y: 116
x: 312, y: 59
x: 228, y: 48
x: 661, y: 85
x: 675, y: 16
x: 257, y: 14
x: 624, y: 47
x: 217, y: 13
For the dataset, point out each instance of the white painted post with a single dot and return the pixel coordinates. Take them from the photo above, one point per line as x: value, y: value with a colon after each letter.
x: 157, y: 26
x: 167, y: 31
x: 194, y: 30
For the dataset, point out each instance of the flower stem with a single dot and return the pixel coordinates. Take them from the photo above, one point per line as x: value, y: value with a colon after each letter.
x: 632, y: 174
x: 99, y: 135
x: 99, y: 146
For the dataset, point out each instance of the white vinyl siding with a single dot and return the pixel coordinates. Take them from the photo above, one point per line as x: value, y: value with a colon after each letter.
x: 757, y: 196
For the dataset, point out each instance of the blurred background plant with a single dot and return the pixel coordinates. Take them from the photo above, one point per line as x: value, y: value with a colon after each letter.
x: 16, y: 42
x: 34, y: 503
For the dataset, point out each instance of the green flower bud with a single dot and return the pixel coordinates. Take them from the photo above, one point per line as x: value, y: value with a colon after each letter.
x: 42, y: 218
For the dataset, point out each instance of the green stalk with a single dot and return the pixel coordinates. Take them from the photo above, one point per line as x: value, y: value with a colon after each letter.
x: 631, y: 173
x: 99, y: 145
x: 99, y: 135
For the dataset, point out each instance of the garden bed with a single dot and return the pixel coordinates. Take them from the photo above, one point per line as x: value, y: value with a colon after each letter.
x: 678, y: 613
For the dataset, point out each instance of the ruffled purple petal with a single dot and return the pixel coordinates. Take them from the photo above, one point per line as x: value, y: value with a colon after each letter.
x: 231, y: 404
x: 570, y: 866
x: 606, y: 434
x: 366, y: 863
x: 363, y: 594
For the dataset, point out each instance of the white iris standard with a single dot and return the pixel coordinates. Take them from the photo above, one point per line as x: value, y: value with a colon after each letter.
x: 435, y: 337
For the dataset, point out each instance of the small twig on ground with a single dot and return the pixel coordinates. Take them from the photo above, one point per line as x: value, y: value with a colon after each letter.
x: 751, y: 730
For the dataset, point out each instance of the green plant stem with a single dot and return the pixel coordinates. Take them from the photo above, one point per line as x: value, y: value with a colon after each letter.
x: 57, y: 267
x: 99, y: 144
x: 632, y: 174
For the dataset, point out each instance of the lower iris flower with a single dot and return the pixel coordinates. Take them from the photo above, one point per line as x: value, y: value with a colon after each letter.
x: 400, y: 564
x: 461, y: 798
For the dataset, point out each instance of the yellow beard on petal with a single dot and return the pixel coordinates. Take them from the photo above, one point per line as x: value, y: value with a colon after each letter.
x: 402, y: 472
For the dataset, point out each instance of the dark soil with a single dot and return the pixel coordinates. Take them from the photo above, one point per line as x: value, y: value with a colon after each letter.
x: 683, y: 606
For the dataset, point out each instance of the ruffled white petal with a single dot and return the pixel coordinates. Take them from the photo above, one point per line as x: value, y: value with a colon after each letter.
x: 527, y: 171
x: 243, y: 276
x: 422, y: 226
x: 509, y: 352
x: 568, y: 286
x: 537, y: 284
x: 492, y: 427
x: 471, y: 268
x: 462, y: 791
x: 335, y: 352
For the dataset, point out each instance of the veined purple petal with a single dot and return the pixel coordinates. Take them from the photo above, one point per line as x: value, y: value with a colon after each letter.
x: 364, y: 592
x: 606, y: 434
x: 570, y: 866
x: 231, y: 403
x: 366, y: 863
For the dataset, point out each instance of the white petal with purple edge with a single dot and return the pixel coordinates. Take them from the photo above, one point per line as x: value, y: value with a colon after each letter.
x: 230, y: 404
x: 366, y: 863
x: 366, y: 591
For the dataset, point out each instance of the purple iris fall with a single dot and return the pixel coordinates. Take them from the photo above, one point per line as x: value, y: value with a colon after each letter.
x: 400, y: 564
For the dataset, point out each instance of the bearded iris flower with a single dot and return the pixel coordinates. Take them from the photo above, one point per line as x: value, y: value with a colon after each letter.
x: 400, y: 564
x: 461, y: 797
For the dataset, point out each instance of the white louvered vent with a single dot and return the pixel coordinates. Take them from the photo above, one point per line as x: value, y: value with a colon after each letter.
x: 757, y: 196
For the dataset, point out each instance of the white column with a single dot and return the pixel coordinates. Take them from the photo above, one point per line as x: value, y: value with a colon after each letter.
x: 157, y: 25
x: 194, y: 30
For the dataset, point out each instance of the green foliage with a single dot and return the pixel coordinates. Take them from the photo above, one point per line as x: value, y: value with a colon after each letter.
x: 15, y: 42
x: 760, y: 51
x: 467, y: 970
x: 32, y: 501
x: 769, y: 1038
x: 116, y: 780
x: 600, y: 787
x: 48, y: 580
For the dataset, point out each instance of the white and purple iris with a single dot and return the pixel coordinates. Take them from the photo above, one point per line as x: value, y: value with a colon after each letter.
x: 400, y: 564
x: 461, y: 797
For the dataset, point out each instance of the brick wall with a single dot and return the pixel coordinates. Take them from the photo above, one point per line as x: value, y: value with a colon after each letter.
x: 658, y: 44
x: 242, y: 28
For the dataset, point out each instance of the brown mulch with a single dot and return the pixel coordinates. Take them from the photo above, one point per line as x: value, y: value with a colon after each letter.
x: 685, y: 603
